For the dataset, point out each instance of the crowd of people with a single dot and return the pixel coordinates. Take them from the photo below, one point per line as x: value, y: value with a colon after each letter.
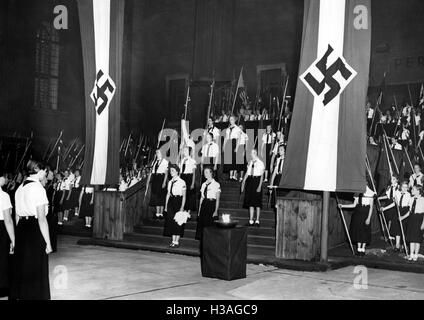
x: 173, y: 187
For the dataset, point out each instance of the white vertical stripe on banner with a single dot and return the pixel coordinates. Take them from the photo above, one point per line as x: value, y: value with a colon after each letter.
x: 321, y: 169
x: 101, y: 16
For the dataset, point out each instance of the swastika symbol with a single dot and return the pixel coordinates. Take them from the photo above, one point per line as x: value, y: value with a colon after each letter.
x: 104, y: 92
x: 334, y: 86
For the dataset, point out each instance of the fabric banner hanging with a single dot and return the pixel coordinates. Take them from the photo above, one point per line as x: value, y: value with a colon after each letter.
x: 327, y: 146
x: 102, y: 26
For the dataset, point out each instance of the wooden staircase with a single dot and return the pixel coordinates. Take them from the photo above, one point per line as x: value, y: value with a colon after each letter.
x: 261, y: 241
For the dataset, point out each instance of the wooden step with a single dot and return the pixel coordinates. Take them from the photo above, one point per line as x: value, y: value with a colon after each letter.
x: 190, y: 233
x: 262, y: 231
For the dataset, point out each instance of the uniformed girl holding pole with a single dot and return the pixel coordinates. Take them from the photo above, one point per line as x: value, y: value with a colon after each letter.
x: 403, y: 201
x: 232, y: 135
x: 241, y: 149
x: 390, y: 211
x: 360, y: 224
x: 159, y: 179
x: 188, y: 174
x: 86, y: 204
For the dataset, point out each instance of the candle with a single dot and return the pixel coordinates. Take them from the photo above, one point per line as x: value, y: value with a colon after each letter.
x: 226, y: 218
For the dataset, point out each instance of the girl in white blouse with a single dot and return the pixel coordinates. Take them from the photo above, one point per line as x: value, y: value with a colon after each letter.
x: 175, y: 201
x: 252, y: 186
x: 360, y: 224
x: 209, y: 202
x: 188, y: 174
x: 32, y: 238
x: 241, y: 152
x: 159, y: 179
x: 402, y: 200
x: 415, y: 228
x: 7, y: 238
x: 232, y: 136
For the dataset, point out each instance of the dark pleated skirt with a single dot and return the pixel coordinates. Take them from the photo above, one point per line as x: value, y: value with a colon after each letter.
x: 251, y: 197
x: 87, y: 209
x: 414, y: 233
x: 359, y: 231
x: 57, y: 207
x: 267, y: 158
x: 205, y: 218
x: 75, y: 197
x: 171, y: 227
x: 241, y: 157
x: 233, y: 164
x: 67, y: 204
x: 395, y: 229
x: 158, y: 194
x: 30, y: 272
x: 190, y: 194
x: 4, y: 258
x: 52, y: 219
x: 391, y: 215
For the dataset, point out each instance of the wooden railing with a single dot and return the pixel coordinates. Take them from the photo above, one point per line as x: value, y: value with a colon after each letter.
x: 116, y: 213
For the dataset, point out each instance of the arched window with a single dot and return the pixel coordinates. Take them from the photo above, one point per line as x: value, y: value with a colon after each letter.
x: 46, y: 67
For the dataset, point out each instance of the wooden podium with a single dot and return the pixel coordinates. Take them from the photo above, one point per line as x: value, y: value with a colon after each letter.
x: 116, y: 213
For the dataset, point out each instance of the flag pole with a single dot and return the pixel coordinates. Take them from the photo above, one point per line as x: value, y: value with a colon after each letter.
x: 235, y: 96
x: 324, y: 225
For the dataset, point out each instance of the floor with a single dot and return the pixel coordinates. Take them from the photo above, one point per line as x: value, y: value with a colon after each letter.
x: 91, y: 272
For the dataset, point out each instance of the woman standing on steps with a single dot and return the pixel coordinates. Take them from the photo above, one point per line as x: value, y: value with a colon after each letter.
x: 252, y: 187
x: 360, y: 224
x: 403, y: 200
x: 188, y: 174
x: 175, y: 201
x: 209, y: 203
x: 415, y: 228
x: 159, y: 179
x: 392, y: 192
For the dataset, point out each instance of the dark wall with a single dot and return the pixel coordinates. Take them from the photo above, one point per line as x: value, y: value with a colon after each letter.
x: 160, y: 38
x: 17, y: 85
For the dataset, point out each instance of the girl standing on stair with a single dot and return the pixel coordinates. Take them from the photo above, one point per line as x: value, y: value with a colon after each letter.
x: 252, y: 187
x: 402, y: 199
x: 232, y: 136
x: 414, y: 233
x: 159, y: 178
x: 392, y: 192
x: 188, y: 174
x: 86, y: 204
x: 209, y: 202
x: 241, y: 152
x: 360, y: 224
x: 175, y: 201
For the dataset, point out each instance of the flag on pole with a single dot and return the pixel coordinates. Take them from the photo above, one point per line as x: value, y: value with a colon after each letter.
x: 240, y: 89
x: 327, y: 146
x: 101, y: 25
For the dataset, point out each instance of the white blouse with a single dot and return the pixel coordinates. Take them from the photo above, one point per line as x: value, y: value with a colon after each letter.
x: 215, y: 132
x: 233, y: 133
x: 77, y: 182
x: 243, y: 138
x: 210, y: 150
x: 177, y: 188
x: 396, y: 192
x: 419, y: 205
x: 163, y: 166
x: 5, y: 203
x: 213, y: 189
x: 267, y: 138
x: 416, y: 177
x: 406, y: 199
x: 30, y: 196
x: 190, y: 165
x: 258, y: 168
x: 366, y: 197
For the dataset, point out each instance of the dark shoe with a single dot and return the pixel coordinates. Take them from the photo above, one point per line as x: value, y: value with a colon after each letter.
x: 257, y: 224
